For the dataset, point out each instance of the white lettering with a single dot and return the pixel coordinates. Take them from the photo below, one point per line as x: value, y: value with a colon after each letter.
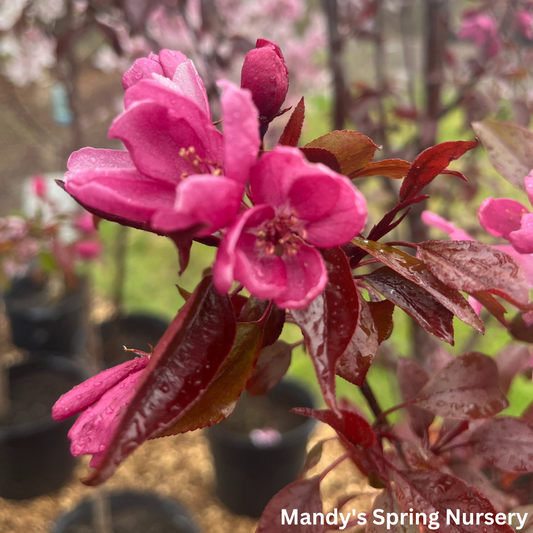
x: 285, y: 517
x: 378, y: 513
x: 521, y: 520
x: 449, y: 516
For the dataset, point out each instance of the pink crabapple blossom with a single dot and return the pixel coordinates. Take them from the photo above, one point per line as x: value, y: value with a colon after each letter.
x: 102, y: 398
x: 178, y: 172
x: 482, y: 30
x: 298, y: 206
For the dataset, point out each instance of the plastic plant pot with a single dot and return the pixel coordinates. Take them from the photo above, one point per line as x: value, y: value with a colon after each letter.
x: 137, y: 331
x: 252, y: 467
x: 131, y: 512
x: 35, y: 456
x: 38, y: 325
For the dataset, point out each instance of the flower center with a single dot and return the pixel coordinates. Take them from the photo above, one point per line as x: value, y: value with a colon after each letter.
x: 281, y: 235
x: 200, y: 166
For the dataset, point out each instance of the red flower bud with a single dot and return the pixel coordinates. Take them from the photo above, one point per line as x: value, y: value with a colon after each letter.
x: 265, y: 74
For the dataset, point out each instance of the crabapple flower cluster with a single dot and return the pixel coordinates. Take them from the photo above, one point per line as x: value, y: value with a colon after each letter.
x: 270, y: 211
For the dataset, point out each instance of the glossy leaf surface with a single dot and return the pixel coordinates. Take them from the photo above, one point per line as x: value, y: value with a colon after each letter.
x: 467, y: 388
x: 506, y: 443
x: 386, y: 501
x: 382, y: 313
x: 321, y: 155
x: 429, y: 164
x: 272, y: 364
x: 429, y: 491
x: 303, y: 496
x: 352, y: 426
x: 329, y: 322
x: 415, y: 301
x: 416, y: 271
x: 352, y: 150
x: 472, y: 267
x: 355, y: 362
x: 390, y: 168
x: 293, y: 129
x: 184, y: 363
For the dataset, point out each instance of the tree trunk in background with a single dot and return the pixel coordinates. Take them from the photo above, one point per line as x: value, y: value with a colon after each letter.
x: 436, y: 24
x: 335, y: 42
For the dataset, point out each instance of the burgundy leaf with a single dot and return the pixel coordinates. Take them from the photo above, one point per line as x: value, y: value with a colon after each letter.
x: 415, y: 301
x: 382, y: 315
x: 527, y: 415
x: 274, y: 325
x: 302, y: 496
x: 411, y: 379
x: 471, y: 266
x: 419, y: 458
x: 184, y: 363
x: 321, y: 155
x: 355, y: 362
x: 467, y: 388
x: 416, y: 271
x: 293, y: 129
x: 391, y: 168
x: 352, y: 426
x: 254, y: 309
x: 476, y: 478
x: 329, y: 322
x: 272, y: 364
x: 506, y: 443
x: 430, y: 163
x: 313, y: 457
x: 352, y: 150
x: 520, y: 330
x: 429, y: 492
x: 220, y: 398
x: 493, y: 306
x: 510, y: 361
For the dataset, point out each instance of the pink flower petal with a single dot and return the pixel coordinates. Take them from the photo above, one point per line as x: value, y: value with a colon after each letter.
x: 501, y: 216
x: 476, y: 306
x: 88, y: 249
x: 122, y: 193
x: 241, y: 131
x: 223, y: 270
x: 210, y: 200
x: 189, y: 84
x: 88, y: 392
x: 436, y: 221
x: 314, y: 195
x: 306, y: 278
x: 154, y: 135
x: 93, y: 158
x: 170, y: 60
x: 94, y: 428
x: 344, y: 221
x: 142, y: 69
x: 528, y: 182
x: 522, y: 239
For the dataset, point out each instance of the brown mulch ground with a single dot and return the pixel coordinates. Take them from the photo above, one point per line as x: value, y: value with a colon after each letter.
x: 176, y: 467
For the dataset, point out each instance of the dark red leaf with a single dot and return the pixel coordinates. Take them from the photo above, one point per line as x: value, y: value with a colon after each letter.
x: 313, y: 457
x: 467, y: 388
x: 430, y: 163
x: 220, y: 398
x: 293, y: 129
x: 274, y: 326
x: 352, y: 426
x: 527, y: 415
x: 184, y: 363
x: 411, y: 379
x: 510, y: 361
x: 506, y: 443
x: 302, y: 496
x: 353, y: 150
x: 391, y: 168
x: 493, y: 306
x: 272, y: 364
x: 419, y: 458
x: 430, y: 491
x: 382, y: 315
x: 321, y: 155
x: 329, y: 322
x: 355, y: 362
x: 415, y: 301
x: 471, y: 266
x: 416, y: 271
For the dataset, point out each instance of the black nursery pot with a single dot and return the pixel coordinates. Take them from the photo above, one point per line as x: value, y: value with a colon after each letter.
x: 35, y: 453
x: 131, y: 512
x: 132, y: 331
x: 40, y: 326
x: 248, y: 475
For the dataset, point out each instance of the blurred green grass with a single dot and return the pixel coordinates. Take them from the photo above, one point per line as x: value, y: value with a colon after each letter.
x: 152, y: 275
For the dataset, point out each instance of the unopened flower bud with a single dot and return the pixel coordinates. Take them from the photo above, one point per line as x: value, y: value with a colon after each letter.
x: 265, y: 74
